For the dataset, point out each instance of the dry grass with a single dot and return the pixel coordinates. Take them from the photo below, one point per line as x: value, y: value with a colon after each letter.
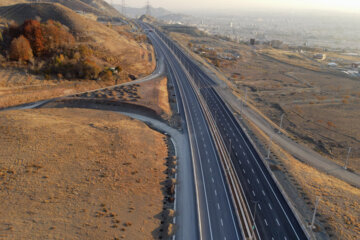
x: 18, y: 88
x: 154, y: 94
x: 340, y: 202
x: 290, y: 57
x: 309, y: 99
x: 75, y: 178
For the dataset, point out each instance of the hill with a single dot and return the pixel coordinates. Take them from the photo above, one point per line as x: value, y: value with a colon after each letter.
x: 136, y: 12
x: 97, y: 7
x: 103, y: 46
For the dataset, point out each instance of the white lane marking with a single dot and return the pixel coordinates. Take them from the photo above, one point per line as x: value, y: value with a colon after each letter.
x: 248, y: 161
x: 263, y: 192
x: 285, y: 238
x: 252, y: 170
x: 210, y: 169
x: 259, y: 206
x: 277, y: 221
x: 204, y: 145
x: 237, y: 140
x: 236, y: 154
x: 266, y: 223
x: 248, y: 181
x: 208, y: 160
x: 240, y: 147
x: 244, y: 154
x: 215, y: 192
x: 272, y: 190
x: 206, y: 152
x: 222, y: 223
x: 270, y: 206
x: 218, y: 205
x: 258, y: 181
x: 212, y: 179
x: 244, y: 170
x: 253, y: 193
x: 233, y: 133
x: 240, y: 162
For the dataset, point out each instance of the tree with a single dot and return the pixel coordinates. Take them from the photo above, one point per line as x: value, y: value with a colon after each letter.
x: 20, y: 49
x: 33, y: 32
x: 55, y: 35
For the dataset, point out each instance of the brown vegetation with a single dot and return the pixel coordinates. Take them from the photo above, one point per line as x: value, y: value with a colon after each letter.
x: 20, y: 49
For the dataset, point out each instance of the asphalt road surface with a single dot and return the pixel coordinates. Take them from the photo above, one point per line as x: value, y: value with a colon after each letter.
x: 273, y: 217
x: 215, y: 211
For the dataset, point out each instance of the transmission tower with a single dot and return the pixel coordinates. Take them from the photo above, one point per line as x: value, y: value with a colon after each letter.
x: 123, y: 7
x: 148, y: 8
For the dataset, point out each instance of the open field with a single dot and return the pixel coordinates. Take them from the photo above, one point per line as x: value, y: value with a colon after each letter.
x: 16, y: 87
x: 85, y: 174
x: 320, y: 108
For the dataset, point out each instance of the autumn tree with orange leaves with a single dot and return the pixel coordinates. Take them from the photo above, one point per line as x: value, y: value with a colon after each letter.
x: 20, y: 49
x: 33, y: 32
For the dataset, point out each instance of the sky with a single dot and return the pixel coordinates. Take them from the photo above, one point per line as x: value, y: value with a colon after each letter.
x: 186, y: 5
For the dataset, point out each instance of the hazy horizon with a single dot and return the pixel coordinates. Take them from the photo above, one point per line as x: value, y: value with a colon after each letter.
x: 238, y: 5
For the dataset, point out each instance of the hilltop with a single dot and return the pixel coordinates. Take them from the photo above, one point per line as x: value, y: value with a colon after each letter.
x: 102, y: 47
x: 97, y: 7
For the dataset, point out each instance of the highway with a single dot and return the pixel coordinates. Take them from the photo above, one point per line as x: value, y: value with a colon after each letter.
x: 217, y: 217
x: 215, y: 211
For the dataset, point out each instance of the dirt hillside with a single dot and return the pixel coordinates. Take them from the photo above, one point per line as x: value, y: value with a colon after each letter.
x: 85, y: 174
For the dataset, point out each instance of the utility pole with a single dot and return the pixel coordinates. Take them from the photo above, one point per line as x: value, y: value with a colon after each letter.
x: 281, y: 121
x: 269, y: 148
x: 347, y: 158
x: 148, y: 8
x: 244, y: 100
x: 123, y: 7
x: 313, y: 218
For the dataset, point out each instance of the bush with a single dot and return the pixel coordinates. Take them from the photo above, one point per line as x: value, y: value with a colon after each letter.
x: 20, y: 49
x: 106, y: 76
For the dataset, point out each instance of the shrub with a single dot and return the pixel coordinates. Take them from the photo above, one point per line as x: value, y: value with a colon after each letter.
x: 106, y: 75
x: 90, y: 69
x: 85, y: 51
x: 20, y: 49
